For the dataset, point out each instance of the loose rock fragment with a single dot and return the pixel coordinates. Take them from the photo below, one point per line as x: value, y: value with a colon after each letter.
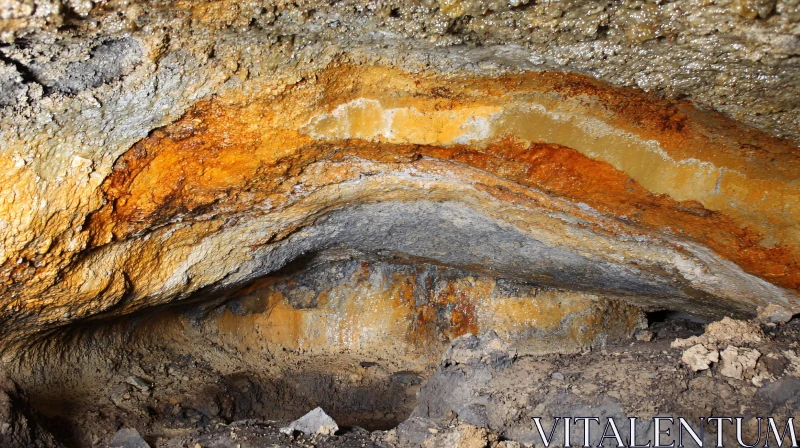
x: 464, y: 436
x: 138, y: 383
x: 762, y: 378
x: 724, y: 331
x: 699, y: 357
x: 128, y: 438
x: 736, y: 361
x: 644, y: 335
x: 794, y: 362
x: 488, y: 349
x: 315, y: 422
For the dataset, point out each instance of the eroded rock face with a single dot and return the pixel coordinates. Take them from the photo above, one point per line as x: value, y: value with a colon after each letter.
x: 310, y: 145
x: 551, y: 178
x: 373, y: 178
x: 369, y: 306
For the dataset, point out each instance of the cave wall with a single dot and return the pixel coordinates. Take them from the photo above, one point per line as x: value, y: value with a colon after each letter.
x: 220, y: 210
x: 164, y: 152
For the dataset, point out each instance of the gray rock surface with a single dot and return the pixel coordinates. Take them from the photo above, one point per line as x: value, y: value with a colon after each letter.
x: 128, y: 438
x: 738, y: 56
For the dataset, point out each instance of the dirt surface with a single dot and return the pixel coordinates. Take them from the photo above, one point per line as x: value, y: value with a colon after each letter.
x: 483, y: 388
x: 487, y: 388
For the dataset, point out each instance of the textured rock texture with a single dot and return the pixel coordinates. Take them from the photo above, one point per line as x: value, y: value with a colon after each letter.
x: 541, y: 172
x: 483, y: 384
x: 19, y: 423
x: 368, y: 307
x: 353, y: 337
x: 219, y: 211
x: 248, y: 188
x: 159, y: 152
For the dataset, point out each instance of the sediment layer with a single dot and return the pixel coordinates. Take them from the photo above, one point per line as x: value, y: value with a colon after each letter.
x: 548, y: 178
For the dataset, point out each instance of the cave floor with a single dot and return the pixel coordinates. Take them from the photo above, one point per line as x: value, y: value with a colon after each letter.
x: 177, y: 402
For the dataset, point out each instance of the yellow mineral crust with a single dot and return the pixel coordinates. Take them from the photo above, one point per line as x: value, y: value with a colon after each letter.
x: 369, y: 311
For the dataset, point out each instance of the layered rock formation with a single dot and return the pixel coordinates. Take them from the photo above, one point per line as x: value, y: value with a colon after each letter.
x: 553, y: 178
x: 543, y: 177
x: 379, y: 178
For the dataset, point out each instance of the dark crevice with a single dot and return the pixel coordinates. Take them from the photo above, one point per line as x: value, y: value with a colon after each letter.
x: 671, y: 324
x: 670, y: 315
x: 26, y: 73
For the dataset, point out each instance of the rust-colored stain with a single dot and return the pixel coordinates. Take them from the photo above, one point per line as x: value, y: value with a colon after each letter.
x: 228, y: 154
x: 368, y: 315
x: 566, y: 173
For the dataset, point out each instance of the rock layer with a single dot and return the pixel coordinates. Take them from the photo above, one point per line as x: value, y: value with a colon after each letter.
x: 364, y: 308
x: 205, y: 203
x: 547, y: 178
x: 160, y: 152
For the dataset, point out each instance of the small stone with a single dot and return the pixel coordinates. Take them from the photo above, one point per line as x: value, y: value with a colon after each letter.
x: 558, y: 376
x: 762, y: 378
x: 433, y: 430
x: 138, y: 383
x: 315, y: 422
x: 699, y: 357
x: 4, y: 428
x: 391, y: 436
x: 722, y: 332
x: 738, y: 361
x: 469, y: 436
x: 128, y: 438
x: 509, y: 444
x: 644, y: 335
x: 746, y: 9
